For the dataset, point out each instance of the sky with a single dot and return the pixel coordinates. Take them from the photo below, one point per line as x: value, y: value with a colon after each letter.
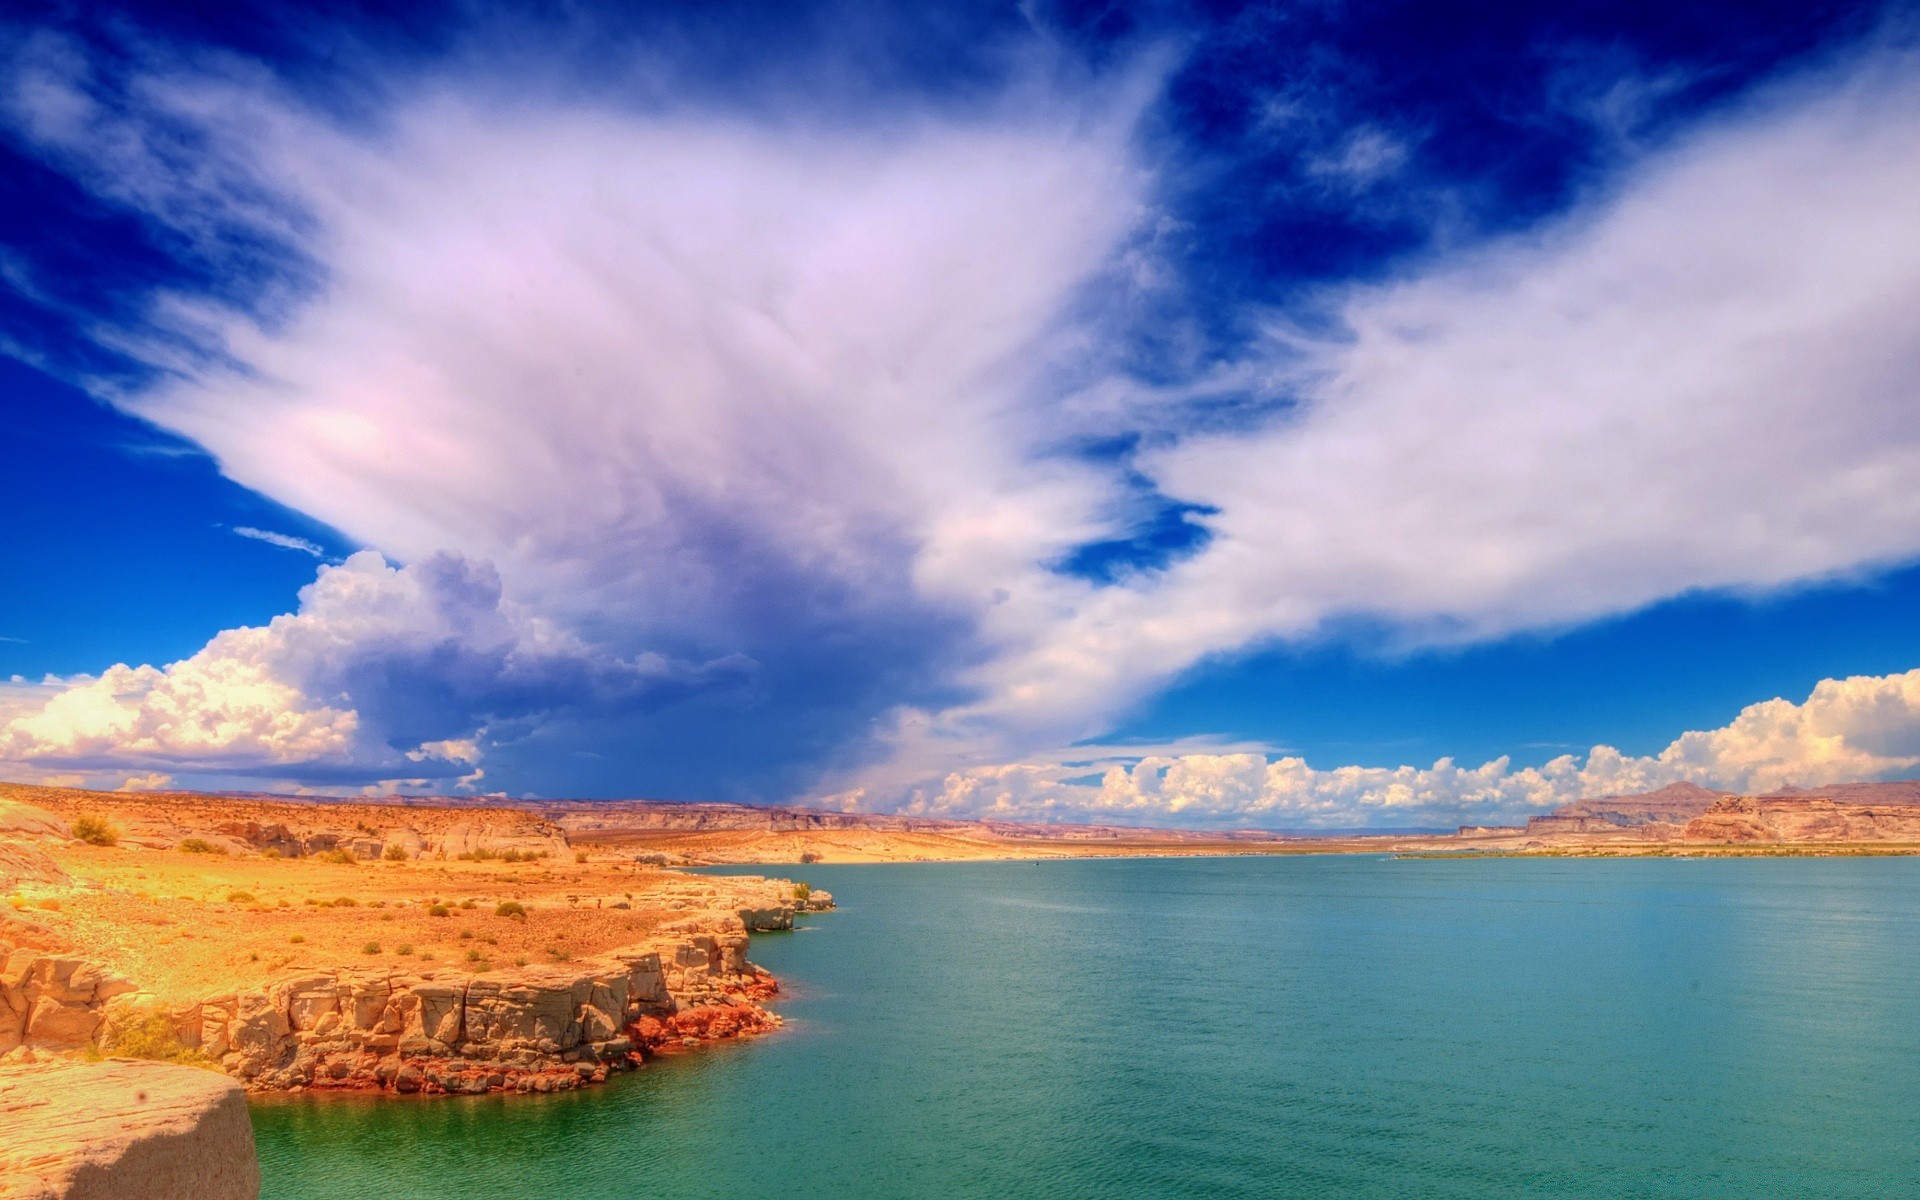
x: 1294, y: 416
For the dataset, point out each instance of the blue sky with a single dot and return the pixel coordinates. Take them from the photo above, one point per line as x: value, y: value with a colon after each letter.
x: 1287, y: 415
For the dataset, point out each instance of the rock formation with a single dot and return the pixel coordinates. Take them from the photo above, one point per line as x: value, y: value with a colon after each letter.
x: 1683, y: 813
x: 124, y: 1130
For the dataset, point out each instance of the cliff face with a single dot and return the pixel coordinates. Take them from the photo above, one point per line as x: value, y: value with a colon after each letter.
x: 1654, y: 816
x: 121, y: 1129
x: 1685, y: 813
x: 536, y: 1028
x: 1804, y: 818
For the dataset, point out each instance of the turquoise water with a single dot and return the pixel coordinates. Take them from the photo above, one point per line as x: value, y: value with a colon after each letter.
x: 1282, y: 1027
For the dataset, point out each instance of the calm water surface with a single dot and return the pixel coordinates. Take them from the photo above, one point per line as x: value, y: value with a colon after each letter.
x: 1284, y: 1027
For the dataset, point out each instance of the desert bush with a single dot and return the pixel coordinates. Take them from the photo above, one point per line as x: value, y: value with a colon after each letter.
x: 270, y: 852
x: 342, y: 857
x: 802, y: 892
x: 345, y: 902
x: 95, y: 831
x: 370, y: 948
x: 511, y: 908
x: 194, y: 845
x: 809, y: 856
x: 439, y: 910
x: 474, y: 956
x: 466, y: 904
x: 579, y: 856
x: 404, y: 948
x: 395, y: 853
x: 150, y: 1036
x: 297, y: 938
x: 466, y: 933
x: 239, y: 897
x: 559, y: 953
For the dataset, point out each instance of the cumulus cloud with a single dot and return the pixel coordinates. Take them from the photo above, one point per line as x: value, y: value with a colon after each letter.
x: 1864, y: 727
x: 382, y: 671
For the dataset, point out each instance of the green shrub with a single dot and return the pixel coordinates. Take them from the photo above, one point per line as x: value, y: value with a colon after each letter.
x: 404, y: 948
x: 439, y: 910
x: 466, y: 933
x: 395, y: 853
x: 345, y: 902
x: 511, y: 908
x: 150, y: 1036
x: 95, y: 831
x: 239, y: 897
x: 297, y: 938
x: 196, y: 845
x: 579, y: 856
x: 802, y: 892
x: 370, y: 948
x: 559, y: 953
x: 342, y: 857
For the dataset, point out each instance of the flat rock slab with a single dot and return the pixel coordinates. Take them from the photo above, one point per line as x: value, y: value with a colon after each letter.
x: 121, y: 1129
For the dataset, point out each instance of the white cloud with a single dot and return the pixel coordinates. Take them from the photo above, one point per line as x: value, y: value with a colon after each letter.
x: 380, y: 668
x: 285, y: 541
x: 1707, y: 378
x: 1864, y: 727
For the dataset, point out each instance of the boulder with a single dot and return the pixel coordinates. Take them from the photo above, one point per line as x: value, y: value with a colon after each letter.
x: 119, y: 1129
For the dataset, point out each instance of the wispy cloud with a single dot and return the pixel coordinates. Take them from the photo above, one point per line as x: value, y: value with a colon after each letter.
x: 285, y: 541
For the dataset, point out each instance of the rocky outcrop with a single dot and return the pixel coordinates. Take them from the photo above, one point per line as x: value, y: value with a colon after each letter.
x: 121, y: 1129
x: 50, y: 1002
x: 1685, y: 813
x: 20, y: 861
x: 1652, y: 816
x: 1808, y: 817
x: 1731, y: 819
x: 528, y: 1029
x: 540, y: 1028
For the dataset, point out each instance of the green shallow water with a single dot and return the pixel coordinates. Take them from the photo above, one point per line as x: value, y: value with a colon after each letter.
x: 1278, y: 1027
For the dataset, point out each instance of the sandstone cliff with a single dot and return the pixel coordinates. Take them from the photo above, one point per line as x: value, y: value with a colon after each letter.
x: 1684, y: 814
x: 533, y: 1028
x: 121, y: 1130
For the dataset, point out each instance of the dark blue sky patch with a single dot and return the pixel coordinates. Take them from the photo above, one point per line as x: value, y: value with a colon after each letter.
x: 119, y: 543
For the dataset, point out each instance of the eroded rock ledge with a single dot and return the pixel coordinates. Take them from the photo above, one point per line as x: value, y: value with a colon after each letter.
x: 535, y: 1028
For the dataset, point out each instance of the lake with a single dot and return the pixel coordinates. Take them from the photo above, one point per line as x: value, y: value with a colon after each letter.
x: 1321, y: 1026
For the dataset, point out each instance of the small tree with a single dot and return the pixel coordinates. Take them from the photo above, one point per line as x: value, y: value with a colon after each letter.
x: 395, y: 853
